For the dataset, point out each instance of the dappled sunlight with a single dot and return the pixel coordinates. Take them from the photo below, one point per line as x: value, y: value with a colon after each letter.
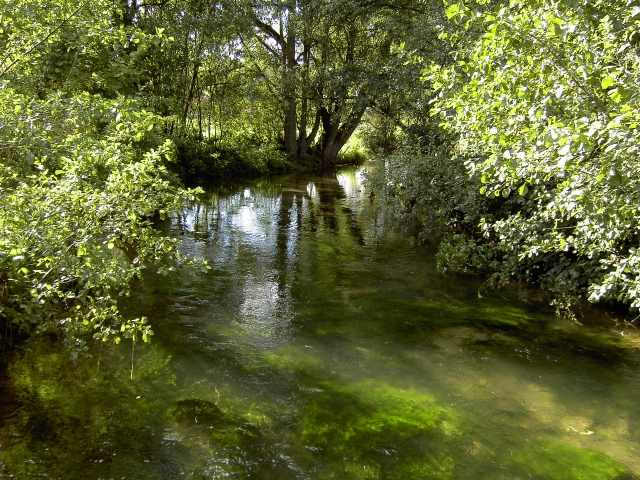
x: 352, y: 182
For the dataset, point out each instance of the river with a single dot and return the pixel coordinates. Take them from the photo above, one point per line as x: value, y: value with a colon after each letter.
x: 323, y: 344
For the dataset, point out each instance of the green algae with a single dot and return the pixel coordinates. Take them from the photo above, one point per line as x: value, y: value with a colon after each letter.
x: 295, y: 359
x: 397, y: 408
x: 554, y: 460
x: 362, y: 471
x: 107, y: 424
x: 505, y: 315
x: 321, y: 378
x: 351, y: 423
x: 198, y: 411
x: 440, y: 467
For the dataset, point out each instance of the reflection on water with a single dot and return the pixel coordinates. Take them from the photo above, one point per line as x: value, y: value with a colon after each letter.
x: 324, y: 345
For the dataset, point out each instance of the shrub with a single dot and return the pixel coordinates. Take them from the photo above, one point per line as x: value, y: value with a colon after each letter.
x: 81, y: 182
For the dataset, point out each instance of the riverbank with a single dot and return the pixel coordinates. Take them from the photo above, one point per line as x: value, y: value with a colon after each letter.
x: 209, y: 162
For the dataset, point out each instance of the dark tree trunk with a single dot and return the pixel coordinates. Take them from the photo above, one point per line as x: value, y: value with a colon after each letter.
x: 190, y: 94
x: 289, y: 63
x: 335, y: 137
x: 303, y: 144
x: 329, y: 157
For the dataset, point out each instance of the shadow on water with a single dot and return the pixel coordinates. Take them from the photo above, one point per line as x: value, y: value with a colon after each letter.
x: 324, y: 345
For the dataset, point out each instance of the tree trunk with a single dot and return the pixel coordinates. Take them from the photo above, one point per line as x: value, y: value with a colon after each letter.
x: 190, y: 94
x: 336, y: 136
x: 303, y: 145
x: 290, y: 127
x: 329, y: 156
x: 291, y: 114
x: 200, y: 135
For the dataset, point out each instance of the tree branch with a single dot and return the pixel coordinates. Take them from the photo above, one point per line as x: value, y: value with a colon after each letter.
x: 37, y: 44
x: 269, y: 30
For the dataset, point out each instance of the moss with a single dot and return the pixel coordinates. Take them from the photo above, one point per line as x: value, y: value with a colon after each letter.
x: 198, y: 412
x: 502, y: 315
x: 437, y: 468
x: 399, y: 408
x: 354, y: 420
x: 387, y: 406
x: 351, y: 423
x: 294, y: 359
x: 362, y: 471
x: 553, y: 460
x: 64, y: 431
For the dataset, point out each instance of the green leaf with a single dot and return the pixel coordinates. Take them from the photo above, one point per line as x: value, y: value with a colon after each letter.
x: 452, y: 10
x: 615, y: 95
x: 524, y: 188
x: 607, y: 82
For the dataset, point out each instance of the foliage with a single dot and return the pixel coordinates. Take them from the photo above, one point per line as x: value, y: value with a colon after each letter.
x: 82, y: 180
x: 83, y: 171
x: 534, y: 177
x: 426, y: 186
x: 74, y: 46
x: 354, y: 152
x: 544, y: 98
x: 328, y: 62
x: 212, y: 161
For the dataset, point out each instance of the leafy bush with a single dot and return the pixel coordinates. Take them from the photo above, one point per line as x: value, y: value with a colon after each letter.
x: 212, y: 160
x: 352, y: 156
x: 81, y: 181
x: 354, y: 152
x: 429, y: 190
x: 546, y: 104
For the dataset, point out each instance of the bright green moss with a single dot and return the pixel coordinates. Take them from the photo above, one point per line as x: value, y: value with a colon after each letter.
x: 554, y: 460
x: 436, y: 468
x: 502, y: 315
x: 361, y: 471
x: 401, y: 408
x: 291, y: 358
x: 367, y: 415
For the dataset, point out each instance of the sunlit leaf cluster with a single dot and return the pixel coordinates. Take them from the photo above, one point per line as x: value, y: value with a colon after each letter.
x: 544, y: 98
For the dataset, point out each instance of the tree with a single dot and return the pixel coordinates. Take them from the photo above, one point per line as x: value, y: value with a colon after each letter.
x: 545, y: 103
x: 334, y: 59
x: 82, y: 176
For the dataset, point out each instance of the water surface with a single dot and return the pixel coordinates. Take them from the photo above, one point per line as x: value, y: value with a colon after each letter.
x: 324, y: 345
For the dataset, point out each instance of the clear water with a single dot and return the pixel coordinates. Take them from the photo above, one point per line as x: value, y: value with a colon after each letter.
x: 323, y: 345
